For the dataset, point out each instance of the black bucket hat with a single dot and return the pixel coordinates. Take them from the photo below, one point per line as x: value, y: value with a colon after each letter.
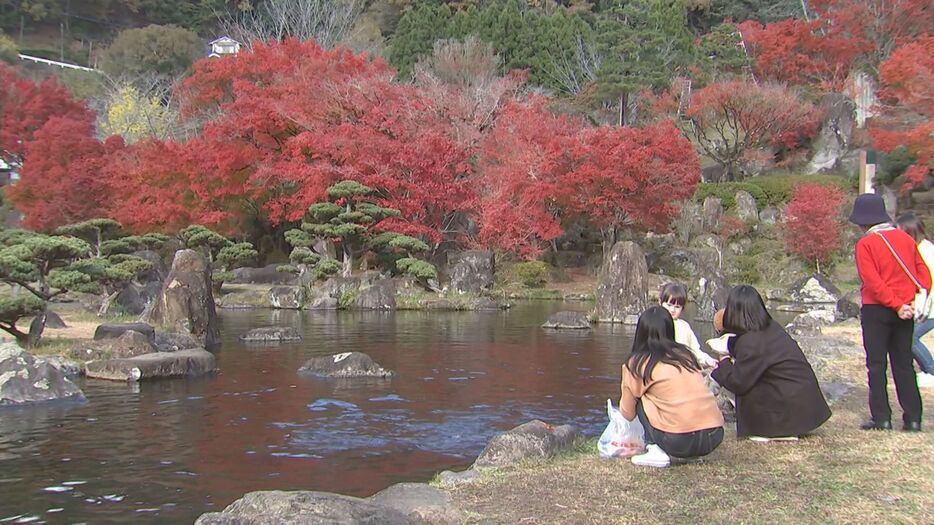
x: 869, y: 210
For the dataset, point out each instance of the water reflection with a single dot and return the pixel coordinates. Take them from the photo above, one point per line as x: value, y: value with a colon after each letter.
x: 167, y: 451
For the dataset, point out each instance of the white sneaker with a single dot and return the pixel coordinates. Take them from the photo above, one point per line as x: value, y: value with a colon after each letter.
x: 653, y: 457
x: 760, y: 439
x: 925, y: 380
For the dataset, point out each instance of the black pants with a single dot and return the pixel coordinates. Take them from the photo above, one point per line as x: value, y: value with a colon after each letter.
x: 885, y: 335
x: 681, y: 445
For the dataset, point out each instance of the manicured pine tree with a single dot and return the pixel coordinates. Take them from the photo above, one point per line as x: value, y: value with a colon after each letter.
x: 223, y: 255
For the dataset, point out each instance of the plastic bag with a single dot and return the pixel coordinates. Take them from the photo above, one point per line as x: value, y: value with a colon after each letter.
x: 622, y: 438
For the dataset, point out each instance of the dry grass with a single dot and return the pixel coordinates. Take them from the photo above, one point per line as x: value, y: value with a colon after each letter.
x: 839, y: 475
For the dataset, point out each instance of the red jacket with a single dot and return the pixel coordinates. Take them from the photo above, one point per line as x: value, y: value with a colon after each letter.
x: 884, y: 280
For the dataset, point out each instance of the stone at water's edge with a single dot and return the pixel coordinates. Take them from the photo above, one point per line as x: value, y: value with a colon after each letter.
x: 193, y: 362
x: 276, y: 507
x: 130, y: 344
x: 535, y: 439
x: 380, y: 295
x: 712, y: 292
x: 568, y: 321
x: 622, y: 289
x: 273, y: 334
x: 287, y: 297
x: 348, y: 364
x: 25, y: 379
x: 172, y: 342
x: 848, y: 306
x: 471, y: 271
x: 186, y: 302
x: 420, y: 502
x: 115, y: 330
x: 815, y: 289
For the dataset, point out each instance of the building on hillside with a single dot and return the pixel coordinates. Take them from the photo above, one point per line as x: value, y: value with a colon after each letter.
x: 224, y: 46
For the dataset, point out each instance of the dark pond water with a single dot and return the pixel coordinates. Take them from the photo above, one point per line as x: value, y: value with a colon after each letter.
x: 167, y: 451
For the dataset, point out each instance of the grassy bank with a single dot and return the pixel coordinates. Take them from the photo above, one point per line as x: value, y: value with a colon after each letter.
x: 839, y: 475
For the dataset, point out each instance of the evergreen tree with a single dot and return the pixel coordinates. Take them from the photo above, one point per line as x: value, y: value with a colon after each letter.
x: 416, y: 34
x: 645, y: 43
x: 223, y: 255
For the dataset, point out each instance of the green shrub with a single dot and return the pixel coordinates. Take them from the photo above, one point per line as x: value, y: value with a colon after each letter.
x: 726, y: 192
x: 893, y: 164
x: 532, y: 274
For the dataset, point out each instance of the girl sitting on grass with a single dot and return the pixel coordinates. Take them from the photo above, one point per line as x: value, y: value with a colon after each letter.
x: 663, y: 386
x: 777, y: 394
x: 673, y: 297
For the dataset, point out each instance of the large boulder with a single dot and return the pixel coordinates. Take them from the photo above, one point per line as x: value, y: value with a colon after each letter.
x: 25, y: 379
x: 770, y: 215
x: 568, y: 321
x: 172, y: 342
x: 186, y: 302
x: 115, y: 330
x: 746, y: 208
x: 287, y: 297
x: 712, y: 211
x: 347, y: 364
x: 836, y: 130
x: 534, y: 439
x: 135, y: 298
x: 848, y: 306
x: 815, y: 290
x: 192, y: 362
x: 712, y: 291
x: 471, y: 271
x: 54, y: 321
x: 130, y: 344
x: 275, y: 507
x: 268, y: 274
x: 272, y: 334
x: 381, y: 295
x: 690, y: 222
x: 622, y: 289
x: 419, y: 502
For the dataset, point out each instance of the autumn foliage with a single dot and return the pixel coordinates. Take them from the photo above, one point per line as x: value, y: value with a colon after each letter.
x: 813, y: 223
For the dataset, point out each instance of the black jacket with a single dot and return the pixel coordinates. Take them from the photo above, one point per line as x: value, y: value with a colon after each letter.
x: 777, y: 393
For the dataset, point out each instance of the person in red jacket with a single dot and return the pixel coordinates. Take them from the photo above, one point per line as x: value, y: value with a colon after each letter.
x: 884, y: 258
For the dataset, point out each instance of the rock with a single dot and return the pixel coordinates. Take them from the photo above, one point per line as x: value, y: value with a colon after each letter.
x: 814, y: 289
x: 273, y: 334
x: 568, y: 320
x: 381, y: 295
x: 712, y: 211
x: 471, y: 271
x: 726, y: 401
x: 580, y: 297
x: 25, y: 379
x: 770, y: 215
x: 323, y: 303
x: 451, y: 478
x: 192, y: 362
x: 690, y: 222
x: 186, y: 301
x: 172, y: 342
x: 115, y: 330
x: 713, y: 173
x: 712, y: 291
x: 244, y: 299
x: 834, y: 391
x: 348, y: 364
x: 807, y: 324
x: 268, y: 274
x: 746, y: 208
x: 836, y: 129
x: 419, y: 502
x: 67, y: 366
x: 130, y: 344
x: 276, y: 507
x: 54, y: 321
x: 287, y: 297
x: 848, y: 306
x: 136, y: 298
x: 534, y: 439
x: 622, y: 289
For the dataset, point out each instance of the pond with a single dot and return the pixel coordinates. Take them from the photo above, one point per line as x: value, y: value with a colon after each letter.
x: 170, y: 450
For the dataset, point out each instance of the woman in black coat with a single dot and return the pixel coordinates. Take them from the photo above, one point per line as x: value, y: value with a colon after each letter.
x: 777, y: 394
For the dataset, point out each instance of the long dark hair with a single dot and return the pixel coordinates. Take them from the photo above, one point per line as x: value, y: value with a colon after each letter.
x: 912, y: 225
x: 655, y: 343
x: 745, y: 311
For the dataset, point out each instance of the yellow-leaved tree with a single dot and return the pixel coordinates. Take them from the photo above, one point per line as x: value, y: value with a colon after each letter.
x: 136, y: 116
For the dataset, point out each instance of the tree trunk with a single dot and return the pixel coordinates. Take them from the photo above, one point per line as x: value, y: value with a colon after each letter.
x: 347, y: 269
x: 105, y: 304
x: 609, y: 240
x: 622, y: 110
x: 36, y: 327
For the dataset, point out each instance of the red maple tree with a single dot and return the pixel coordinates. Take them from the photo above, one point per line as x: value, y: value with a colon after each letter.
x: 813, y: 222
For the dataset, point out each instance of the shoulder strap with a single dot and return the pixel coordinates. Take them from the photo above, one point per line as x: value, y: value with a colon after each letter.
x: 900, y: 262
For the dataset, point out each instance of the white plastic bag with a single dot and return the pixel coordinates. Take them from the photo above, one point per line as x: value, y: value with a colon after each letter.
x: 622, y: 438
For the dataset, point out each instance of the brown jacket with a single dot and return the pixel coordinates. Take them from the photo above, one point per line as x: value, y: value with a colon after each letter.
x: 675, y: 400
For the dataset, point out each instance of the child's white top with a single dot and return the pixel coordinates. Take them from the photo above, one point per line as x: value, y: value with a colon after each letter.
x: 926, y: 248
x: 685, y: 335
